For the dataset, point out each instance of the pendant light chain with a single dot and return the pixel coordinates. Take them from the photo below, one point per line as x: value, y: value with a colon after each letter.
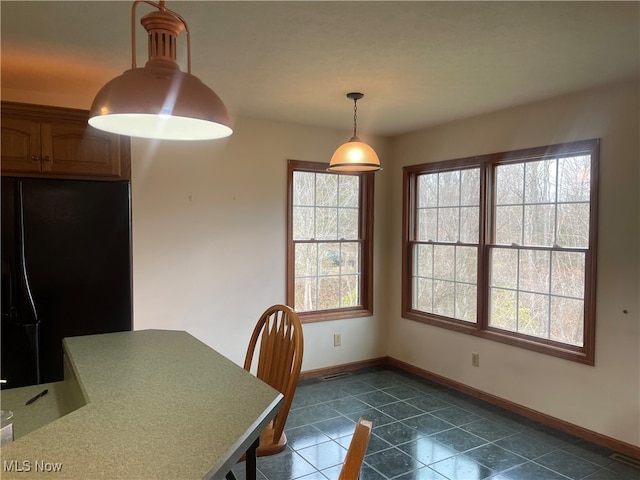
x: 355, y: 115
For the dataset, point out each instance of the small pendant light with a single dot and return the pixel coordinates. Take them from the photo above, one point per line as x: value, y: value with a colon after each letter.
x: 355, y: 155
x: 159, y: 100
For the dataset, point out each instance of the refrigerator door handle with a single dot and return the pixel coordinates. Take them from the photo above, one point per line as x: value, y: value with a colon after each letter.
x: 33, y: 328
x: 23, y: 260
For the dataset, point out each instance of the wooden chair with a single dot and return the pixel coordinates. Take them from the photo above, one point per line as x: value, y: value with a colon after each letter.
x: 279, y: 361
x: 357, y: 449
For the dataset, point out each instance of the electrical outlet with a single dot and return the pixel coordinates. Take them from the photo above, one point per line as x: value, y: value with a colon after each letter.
x: 475, y: 359
x: 337, y: 339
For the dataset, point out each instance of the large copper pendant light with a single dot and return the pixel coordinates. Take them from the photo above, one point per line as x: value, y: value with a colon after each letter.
x: 159, y: 100
x: 355, y: 155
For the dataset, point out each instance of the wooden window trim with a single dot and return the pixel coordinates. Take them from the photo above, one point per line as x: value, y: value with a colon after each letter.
x: 366, y: 227
x: 487, y: 163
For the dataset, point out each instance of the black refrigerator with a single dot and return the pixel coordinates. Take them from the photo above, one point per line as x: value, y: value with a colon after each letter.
x: 66, y: 270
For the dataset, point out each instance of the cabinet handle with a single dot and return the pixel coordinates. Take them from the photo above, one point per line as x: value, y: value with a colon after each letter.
x: 35, y: 158
x: 46, y: 159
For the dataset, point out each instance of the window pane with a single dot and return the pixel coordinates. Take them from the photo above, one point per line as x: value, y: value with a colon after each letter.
x: 303, y: 223
x: 466, y: 264
x: 443, y: 298
x: 330, y: 258
x: 423, y: 297
x: 540, y: 183
x: 445, y: 281
x: 348, y: 223
x: 328, y: 293
x: 567, y: 320
x: 466, y: 301
x: 539, y: 225
x: 326, y: 223
x: 338, y: 272
x: 534, y: 271
x: 327, y: 190
x: 350, y: 257
x: 303, y: 188
x: 305, y: 293
x: 509, y: 225
x: 568, y: 271
x: 526, y: 312
x: 424, y: 260
x: 448, y: 224
x: 533, y: 314
x: 469, y: 224
x: 449, y: 189
x: 504, y: 309
x: 349, y: 293
x: 444, y: 262
x: 573, y: 225
x: 504, y: 268
x: 428, y: 190
x: 306, y: 259
x: 509, y: 184
x: 574, y: 182
x: 470, y: 187
x: 427, y: 224
x: 349, y: 191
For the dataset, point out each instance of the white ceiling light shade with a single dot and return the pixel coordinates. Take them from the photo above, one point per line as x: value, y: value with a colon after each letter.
x: 159, y: 100
x: 355, y: 155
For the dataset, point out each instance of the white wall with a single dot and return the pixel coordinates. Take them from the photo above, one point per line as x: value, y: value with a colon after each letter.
x: 209, y: 239
x: 606, y: 397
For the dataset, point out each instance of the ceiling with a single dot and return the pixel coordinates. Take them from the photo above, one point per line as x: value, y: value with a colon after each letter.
x: 419, y: 63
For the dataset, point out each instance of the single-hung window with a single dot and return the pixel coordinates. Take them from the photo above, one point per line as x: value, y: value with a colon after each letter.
x: 503, y: 246
x: 330, y: 250
x: 446, y: 249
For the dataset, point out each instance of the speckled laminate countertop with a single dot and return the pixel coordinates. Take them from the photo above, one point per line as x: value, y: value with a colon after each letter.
x: 159, y: 405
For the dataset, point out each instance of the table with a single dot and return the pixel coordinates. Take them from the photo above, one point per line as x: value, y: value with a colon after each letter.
x: 153, y: 404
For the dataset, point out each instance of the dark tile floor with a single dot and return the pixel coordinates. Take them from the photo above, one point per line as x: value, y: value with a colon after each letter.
x: 425, y: 431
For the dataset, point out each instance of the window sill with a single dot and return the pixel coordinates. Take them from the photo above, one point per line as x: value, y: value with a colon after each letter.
x: 547, y: 347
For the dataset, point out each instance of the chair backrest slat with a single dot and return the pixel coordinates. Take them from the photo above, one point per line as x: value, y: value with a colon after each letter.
x: 280, y: 372
x: 267, y: 342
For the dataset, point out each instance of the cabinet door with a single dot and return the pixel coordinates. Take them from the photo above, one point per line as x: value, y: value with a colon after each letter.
x: 20, y: 145
x: 79, y: 149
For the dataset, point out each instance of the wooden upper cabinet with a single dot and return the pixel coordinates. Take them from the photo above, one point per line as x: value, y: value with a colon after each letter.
x: 40, y: 141
x: 20, y: 145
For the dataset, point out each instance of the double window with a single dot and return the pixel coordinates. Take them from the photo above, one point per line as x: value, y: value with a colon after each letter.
x: 329, y: 247
x: 503, y: 246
